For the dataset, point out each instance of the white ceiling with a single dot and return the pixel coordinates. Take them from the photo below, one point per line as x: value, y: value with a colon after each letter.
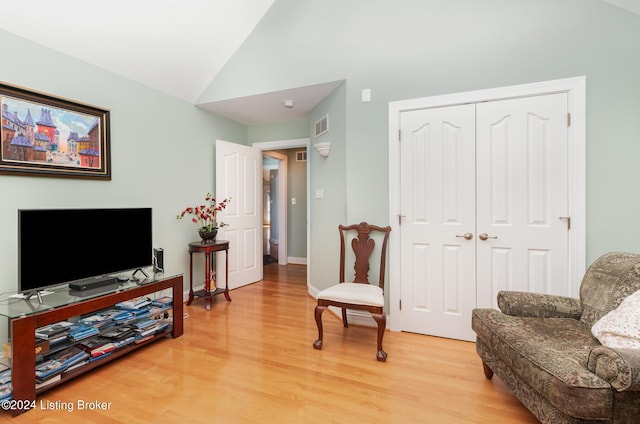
x: 176, y: 47
x: 269, y: 107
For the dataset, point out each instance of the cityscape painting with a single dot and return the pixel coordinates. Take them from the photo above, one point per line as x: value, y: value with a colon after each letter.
x: 44, y: 135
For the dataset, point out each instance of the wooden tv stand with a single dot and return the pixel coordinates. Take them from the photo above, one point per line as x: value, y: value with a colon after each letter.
x: 62, y: 305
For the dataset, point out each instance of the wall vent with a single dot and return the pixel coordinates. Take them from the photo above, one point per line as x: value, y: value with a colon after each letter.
x: 301, y: 156
x: 322, y: 125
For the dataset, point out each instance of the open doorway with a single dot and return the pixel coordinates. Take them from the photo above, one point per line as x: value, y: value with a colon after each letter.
x: 285, y: 201
x: 274, y: 207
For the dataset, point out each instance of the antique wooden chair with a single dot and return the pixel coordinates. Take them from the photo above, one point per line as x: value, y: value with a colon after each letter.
x: 359, y: 294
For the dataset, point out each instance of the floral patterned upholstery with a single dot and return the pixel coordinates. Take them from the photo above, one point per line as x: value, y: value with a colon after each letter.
x: 542, y: 347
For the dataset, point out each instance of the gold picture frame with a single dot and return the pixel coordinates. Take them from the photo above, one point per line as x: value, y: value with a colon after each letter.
x: 44, y: 135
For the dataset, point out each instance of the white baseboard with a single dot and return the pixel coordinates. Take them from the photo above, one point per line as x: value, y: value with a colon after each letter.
x: 313, y: 291
x: 297, y: 261
x: 356, y: 317
x: 185, y: 293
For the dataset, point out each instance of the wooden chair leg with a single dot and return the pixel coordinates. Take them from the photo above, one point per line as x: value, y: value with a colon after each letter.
x: 344, y: 317
x: 381, y: 319
x: 488, y: 372
x: 318, y: 314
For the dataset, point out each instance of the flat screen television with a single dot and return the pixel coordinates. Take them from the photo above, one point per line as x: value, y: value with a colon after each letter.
x: 58, y: 246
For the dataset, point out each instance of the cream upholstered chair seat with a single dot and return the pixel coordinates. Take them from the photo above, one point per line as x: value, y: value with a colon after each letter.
x: 358, y: 294
x: 362, y: 294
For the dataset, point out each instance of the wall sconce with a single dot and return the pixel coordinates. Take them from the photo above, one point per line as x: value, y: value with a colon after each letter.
x: 323, y: 148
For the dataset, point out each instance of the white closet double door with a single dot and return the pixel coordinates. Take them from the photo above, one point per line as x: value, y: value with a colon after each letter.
x: 484, y: 194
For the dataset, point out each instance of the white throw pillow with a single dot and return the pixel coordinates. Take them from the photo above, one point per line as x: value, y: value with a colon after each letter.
x: 620, y: 328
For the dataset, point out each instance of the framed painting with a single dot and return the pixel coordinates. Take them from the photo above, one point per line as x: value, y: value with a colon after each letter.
x: 48, y: 136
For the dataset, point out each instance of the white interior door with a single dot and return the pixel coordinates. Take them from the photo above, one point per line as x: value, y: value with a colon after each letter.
x: 497, y: 173
x: 437, y: 232
x: 522, y: 194
x: 239, y: 176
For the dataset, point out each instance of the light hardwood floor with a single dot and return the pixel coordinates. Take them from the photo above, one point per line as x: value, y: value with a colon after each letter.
x: 252, y: 361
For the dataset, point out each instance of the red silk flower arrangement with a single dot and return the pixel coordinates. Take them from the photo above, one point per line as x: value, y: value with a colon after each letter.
x: 205, y: 215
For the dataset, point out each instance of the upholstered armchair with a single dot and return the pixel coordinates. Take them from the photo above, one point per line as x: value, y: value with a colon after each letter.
x: 570, y: 360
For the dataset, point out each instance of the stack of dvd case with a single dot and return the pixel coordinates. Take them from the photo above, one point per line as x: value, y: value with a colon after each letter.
x: 95, y: 336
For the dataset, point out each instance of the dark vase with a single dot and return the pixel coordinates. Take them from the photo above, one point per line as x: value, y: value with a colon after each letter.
x: 207, y: 236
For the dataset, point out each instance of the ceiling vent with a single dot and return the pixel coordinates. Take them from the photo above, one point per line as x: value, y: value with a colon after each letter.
x: 322, y: 125
x: 301, y: 156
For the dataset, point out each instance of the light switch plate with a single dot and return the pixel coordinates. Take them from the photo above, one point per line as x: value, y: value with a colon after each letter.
x: 366, y: 95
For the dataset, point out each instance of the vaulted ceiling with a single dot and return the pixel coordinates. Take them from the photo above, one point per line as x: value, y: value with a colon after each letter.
x: 176, y: 47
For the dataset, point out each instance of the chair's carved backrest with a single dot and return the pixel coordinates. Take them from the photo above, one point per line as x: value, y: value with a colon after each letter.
x: 363, y: 246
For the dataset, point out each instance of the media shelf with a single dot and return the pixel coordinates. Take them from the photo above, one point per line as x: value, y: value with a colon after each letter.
x: 26, y: 316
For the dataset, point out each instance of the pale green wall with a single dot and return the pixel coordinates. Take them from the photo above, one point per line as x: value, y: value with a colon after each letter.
x: 161, y: 149
x: 330, y: 175
x: 278, y: 131
x: 417, y: 48
x: 297, y: 218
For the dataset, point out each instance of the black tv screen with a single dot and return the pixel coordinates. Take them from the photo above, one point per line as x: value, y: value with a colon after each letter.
x: 58, y: 246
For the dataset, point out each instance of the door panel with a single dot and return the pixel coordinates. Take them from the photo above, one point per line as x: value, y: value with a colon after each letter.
x: 238, y: 175
x: 522, y: 190
x: 438, y: 199
x: 497, y: 170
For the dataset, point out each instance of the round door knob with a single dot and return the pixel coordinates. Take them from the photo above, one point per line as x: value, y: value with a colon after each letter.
x: 485, y: 236
x: 466, y: 236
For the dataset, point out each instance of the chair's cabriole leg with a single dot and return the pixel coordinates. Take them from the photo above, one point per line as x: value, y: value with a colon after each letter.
x: 344, y: 318
x: 318, y: 314
x: 381, y: 319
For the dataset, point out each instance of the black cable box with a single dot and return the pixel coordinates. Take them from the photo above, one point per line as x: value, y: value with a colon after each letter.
x: 93, y: 283
x: 94, y: 291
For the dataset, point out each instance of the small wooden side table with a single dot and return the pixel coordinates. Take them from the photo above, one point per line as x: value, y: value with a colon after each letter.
x: 208, y: 249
